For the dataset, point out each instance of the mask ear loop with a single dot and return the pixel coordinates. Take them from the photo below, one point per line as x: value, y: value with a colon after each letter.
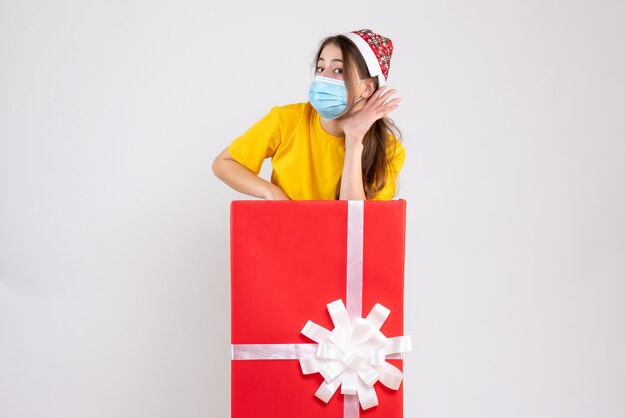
x: 352, y: 105
x: 359, y: 99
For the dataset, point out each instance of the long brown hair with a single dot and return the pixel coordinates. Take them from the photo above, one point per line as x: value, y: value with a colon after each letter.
x: 377, y: 155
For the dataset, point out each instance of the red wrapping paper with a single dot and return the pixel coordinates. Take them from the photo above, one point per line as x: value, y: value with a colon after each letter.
x: 288, y: 261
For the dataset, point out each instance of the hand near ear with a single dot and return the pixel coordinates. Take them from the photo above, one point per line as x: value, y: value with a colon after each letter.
x: 358, y: 121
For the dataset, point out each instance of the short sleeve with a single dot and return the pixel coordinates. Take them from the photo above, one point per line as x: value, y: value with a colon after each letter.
x: 397, y: 161
x: 259, y: 142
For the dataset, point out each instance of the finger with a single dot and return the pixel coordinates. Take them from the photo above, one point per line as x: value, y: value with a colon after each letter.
x: 388, y: 107
x: 390, y: 103
x: 385, y: 95
x: 378, y: 97
x: 381, y: 91
x: 388, y: 110
x: 378, y: 92
x: 393, y: 101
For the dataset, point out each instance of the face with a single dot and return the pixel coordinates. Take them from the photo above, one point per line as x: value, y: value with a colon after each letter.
x: 331, y: 65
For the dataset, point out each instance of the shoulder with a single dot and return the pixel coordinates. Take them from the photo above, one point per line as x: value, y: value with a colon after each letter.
x: 289, y: 116
x: 292, y: 110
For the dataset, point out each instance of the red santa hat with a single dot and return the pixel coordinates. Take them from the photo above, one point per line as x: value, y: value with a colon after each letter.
x: 376, y: 50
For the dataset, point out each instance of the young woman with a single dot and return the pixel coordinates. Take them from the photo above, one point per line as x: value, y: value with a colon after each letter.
x: 339, y: 145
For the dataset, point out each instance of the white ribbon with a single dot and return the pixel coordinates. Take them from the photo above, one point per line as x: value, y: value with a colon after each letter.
x: 353, y: 355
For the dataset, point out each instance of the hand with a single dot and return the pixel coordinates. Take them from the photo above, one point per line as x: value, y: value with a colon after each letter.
x: 275, y: 193
x: 361, y: 119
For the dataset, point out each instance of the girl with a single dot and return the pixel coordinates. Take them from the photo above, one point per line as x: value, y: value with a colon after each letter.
x: 339, y: 145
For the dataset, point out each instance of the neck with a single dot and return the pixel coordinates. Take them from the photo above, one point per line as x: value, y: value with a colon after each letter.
x: 333, y: 127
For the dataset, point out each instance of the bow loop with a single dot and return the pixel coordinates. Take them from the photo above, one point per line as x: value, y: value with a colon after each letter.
x: 353, y: 355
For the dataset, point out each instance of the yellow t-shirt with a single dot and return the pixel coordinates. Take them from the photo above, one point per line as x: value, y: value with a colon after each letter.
x: 307, y: 161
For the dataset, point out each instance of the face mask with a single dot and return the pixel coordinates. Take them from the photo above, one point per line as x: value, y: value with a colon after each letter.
x: 329, y: 96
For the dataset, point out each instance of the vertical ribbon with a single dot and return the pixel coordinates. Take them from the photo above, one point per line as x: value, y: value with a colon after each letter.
x: 354, y: 283
x: 354, y: 274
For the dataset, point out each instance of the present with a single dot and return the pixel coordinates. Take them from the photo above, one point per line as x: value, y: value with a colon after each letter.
x: 317, y: 308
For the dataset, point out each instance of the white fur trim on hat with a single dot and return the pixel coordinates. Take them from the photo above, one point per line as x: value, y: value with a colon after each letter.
x: 370, y: 57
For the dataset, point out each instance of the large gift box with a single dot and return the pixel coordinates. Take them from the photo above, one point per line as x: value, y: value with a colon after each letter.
x: 317, y: 308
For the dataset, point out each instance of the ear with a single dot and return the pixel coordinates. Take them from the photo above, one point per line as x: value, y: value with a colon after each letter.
x: 369, y: 88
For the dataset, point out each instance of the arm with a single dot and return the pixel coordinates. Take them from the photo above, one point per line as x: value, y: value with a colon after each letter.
x: 243, y: 180
x: 352, y: 177
x: 356, y: 124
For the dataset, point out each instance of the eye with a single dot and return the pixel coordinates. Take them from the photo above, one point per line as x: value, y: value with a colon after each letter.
x: 319, y: 69
x: 338, y: 71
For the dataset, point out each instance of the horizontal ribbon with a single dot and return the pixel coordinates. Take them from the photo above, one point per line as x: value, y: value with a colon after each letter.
x: 282, y: 352
x: 272, y: 351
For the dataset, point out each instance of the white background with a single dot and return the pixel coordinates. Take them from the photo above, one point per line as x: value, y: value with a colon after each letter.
x: 114, y: 256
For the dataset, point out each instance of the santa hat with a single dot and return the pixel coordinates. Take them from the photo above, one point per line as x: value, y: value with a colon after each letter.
x: 376, y: 50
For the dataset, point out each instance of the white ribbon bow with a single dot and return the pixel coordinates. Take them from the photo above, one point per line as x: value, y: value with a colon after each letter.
x: 353, y: 355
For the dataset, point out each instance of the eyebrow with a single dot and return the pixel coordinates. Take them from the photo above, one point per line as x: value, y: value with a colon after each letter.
x: 336, y: 59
